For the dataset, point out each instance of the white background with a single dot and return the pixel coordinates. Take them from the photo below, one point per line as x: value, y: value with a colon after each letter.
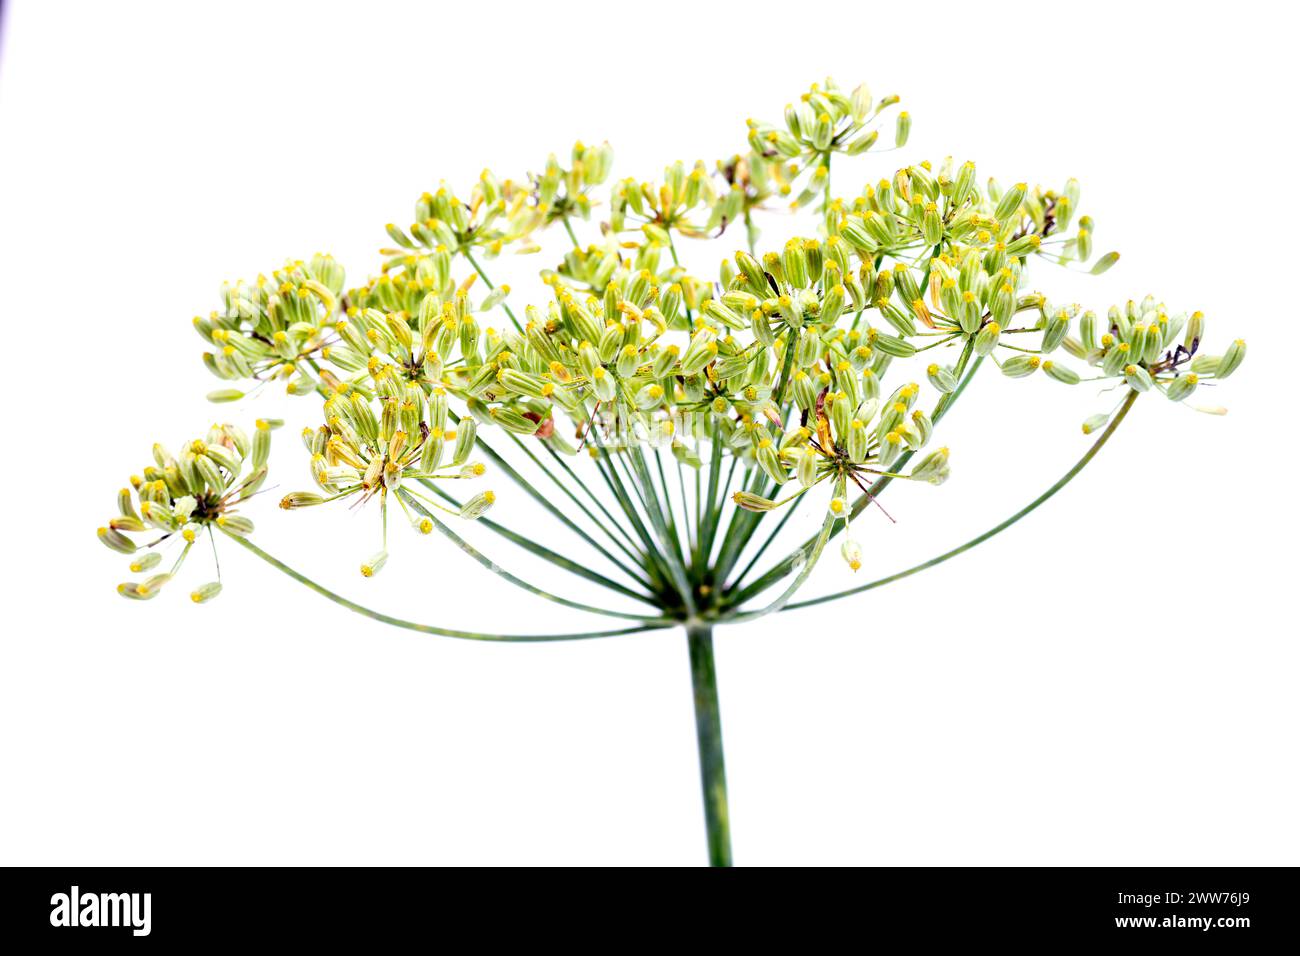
x: 1111, y: 682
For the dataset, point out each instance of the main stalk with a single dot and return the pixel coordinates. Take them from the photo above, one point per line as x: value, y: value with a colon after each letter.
x: 708, y: 732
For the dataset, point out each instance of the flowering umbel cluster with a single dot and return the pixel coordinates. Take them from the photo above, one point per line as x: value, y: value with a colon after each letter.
x: 825, y: 362
x: 181, y: 498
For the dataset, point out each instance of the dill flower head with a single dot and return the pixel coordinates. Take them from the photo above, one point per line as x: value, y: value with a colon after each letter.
x: 826, y: 360
x: 498, y: 215
x: 270, y: 329
x: 181, y: 498
x: 391, y: 448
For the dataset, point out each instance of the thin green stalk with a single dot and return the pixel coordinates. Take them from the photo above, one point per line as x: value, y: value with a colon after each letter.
x: 686, y: 509
x: 546, y: 503
x: 709, y: 517
x: 996, y: 529
x: 605, y: 466
x: 569, y: 229
x: 670, y: 552
x: 484, y: 276
x: 708, y: 736
x: 941, y: 408
x: 741, y: 526
x: 735, y: 583
x: 559, y: 560
x: 632, y: 555
x: 681, y: 533
x: 407, y: 498
x: 586, y: 487
x: 805, y: 561
x: 433, y: 628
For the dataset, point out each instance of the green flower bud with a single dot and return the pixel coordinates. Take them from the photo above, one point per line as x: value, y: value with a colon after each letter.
x: 611, y: 340
x: 152, y: 586
x: 1116, y: 357
x: 987, y: 339
x: 1018, y: 366
x: 1182, y: 387
x: 261, y: 449
x: 1088, y: 330
x: 1054, y: 331
x: 116, y: 541
x: 902, y: 128
x: 664, y: 360
x: 701, y: 350
x: 832, y: 306
x: 237, y: 525
x: 794, y: 263
x: 896, y: 317
x: 477, y: 506
x: 941, y: 378
x: 931, y: 466
x: 891, y: 345
x: 851, y: 551
x: 522, y: 383
x: 841, y: 413
x: 806, y: 467
x: 1232, y: 358
x: 146, y: 562
x: 131, y: 590
x: 205, y: 592
x: 466, y: 436
x: 603, y: 385
x: 1095, y: 422
x: 1024, y: 246
x: 857, y: 441
x: 891, y: 446
x: 768, y: 459
x: 753, y: 502
x: 1138, y: 378
x: 855, y: 233
x: 862, y: 143
x: 1061, y: 373
x: 931, y: 225
x: 753, y: 273
x: 300, y: 499
x: 809, y: 348
x: 650, y: 396
x: 670, y: 303
x: 804, y: 390
x: 1104, y: 263
x: 1010, y: 202
x: 922, y: 425
x: 374, y: 564
x: 515, y: 422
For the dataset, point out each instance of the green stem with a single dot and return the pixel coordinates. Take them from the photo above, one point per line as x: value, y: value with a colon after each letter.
x: 528, y: 544
x: 547, y: 504
x: 804, y: 562
x: 495, y: 568
x: 569, y: 229
x: 484, y: 276
x: 708, y: 735
x: 433, y: 628
x: 996, y: 529
x: 583, y: 508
